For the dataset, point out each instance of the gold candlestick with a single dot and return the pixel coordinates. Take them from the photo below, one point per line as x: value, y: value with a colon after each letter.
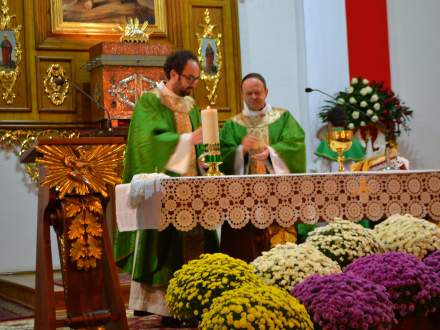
x: 340, y: 141
x: 213, y: 158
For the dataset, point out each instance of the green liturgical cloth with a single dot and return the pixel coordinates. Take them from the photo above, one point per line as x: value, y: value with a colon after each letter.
x: 355, y: 153
x: 152, y: 140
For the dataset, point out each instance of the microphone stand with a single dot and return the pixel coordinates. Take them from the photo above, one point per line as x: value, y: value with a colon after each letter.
x: 108, y: 125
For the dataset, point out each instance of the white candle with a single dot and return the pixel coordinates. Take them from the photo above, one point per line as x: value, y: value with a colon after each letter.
x: 210, y: 126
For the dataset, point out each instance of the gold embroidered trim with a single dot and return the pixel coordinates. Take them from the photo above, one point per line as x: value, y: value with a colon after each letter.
x: 257, y: 121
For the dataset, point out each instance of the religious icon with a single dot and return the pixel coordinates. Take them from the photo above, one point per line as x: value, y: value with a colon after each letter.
x: 209, y: 49
x: 104, y: 16
x: 108, y: 11
x: 9, y: 54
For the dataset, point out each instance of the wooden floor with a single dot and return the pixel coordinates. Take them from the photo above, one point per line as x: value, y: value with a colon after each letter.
x: 20, y: 288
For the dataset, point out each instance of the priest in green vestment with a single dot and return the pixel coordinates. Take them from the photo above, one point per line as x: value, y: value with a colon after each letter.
x: 260, y: 140
x: 164, y: 136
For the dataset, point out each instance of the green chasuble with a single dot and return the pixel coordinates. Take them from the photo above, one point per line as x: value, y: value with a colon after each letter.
x: 152, y: 139
x: 279, y: 130
x: 286, y: 137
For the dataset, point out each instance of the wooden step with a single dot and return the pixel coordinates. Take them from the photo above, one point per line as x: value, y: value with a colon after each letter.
x: 20, y: 288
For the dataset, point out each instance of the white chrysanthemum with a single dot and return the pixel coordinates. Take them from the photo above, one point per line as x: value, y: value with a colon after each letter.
x: 374, y: 98
x: 350, y: 90
x: 363, y: 91
x: 354, y: 81
x: 370, y: 112
x: 369, y: 89
x: 364, y: 104
x: 351, y: 126
x: 376, y: 106
x: 288, y: 264
x: 365, y: 81
x: 362, y: 123
x: 405, y: 233
x: 352, y: 100
x: 344, y: 241
x: 374, y: 119
x: 355, y: 114
x: 340, y: 100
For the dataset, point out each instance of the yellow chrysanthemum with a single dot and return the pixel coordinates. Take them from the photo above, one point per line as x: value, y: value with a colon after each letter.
x: 196, y: 284
x: 261, y: 307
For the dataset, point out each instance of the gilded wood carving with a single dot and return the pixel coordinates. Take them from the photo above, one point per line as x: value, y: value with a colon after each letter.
x: 11, y: 52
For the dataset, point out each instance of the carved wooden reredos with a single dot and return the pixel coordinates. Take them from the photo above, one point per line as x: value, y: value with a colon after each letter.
x: 50, y: 42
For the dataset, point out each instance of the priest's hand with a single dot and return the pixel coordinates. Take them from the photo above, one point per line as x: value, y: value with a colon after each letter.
x: 262, y: 156
x: 249, y: 142
x: 197, y: 136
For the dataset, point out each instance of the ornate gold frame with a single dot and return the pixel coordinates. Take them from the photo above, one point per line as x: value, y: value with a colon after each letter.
x: 9, y: 77
x: 59, y: 26
x: 210, y: 79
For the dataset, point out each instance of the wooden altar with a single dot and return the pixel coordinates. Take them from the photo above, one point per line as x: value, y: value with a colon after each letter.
x: 263, y: 199
x: 75, y: 176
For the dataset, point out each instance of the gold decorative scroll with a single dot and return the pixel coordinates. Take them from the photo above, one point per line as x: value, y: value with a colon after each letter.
x: 56, y: 92
x: 133, y: 31
x: 210, y: 57
x: 85, y: 230
x: 9, y: 73
x: 81, y: 170
x: 19, y: 141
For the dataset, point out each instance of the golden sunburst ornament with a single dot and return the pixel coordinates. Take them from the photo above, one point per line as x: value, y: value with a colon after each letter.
x: 81, y: 170
x: 133, y: 31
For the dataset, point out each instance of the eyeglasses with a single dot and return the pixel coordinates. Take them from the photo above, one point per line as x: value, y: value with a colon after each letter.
x: 191, y: 79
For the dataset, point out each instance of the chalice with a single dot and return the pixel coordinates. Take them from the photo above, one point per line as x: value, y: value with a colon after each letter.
x: 340, y: 141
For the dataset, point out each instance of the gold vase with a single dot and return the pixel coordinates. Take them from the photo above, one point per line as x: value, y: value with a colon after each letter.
x: 340, y: 141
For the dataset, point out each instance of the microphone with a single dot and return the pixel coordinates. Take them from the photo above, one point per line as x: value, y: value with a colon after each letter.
x: 309, y: 90
x: 61, y: 81
x: 353, y: 107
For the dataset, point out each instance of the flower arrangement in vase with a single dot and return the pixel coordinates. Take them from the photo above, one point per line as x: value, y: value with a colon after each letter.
x: 344, y: 301
x: 288, y: 264
x: 370, y: 107
x: 256, y: 307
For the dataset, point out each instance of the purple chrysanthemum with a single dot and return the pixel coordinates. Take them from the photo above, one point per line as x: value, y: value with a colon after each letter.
x: 409, y: 282
x: 433, y: 261
x: 344, y: 301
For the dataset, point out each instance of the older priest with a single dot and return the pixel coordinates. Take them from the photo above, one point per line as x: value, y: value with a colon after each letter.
x: 164, y: 136
x: 260, y: 140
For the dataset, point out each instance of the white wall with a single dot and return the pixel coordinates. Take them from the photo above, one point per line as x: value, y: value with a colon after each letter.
x: 18, y: 217
x: 272, y: 43
x: 415, y: 54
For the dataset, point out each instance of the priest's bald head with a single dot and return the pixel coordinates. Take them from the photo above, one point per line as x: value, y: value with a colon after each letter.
x: 182, y: 70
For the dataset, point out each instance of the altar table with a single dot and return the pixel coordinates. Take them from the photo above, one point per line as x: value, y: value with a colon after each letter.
x: 186, y: 202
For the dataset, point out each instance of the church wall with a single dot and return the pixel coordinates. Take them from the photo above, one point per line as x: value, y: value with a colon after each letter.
x: 18, y: 218
x: 415, y: 53
x: 272, y: 43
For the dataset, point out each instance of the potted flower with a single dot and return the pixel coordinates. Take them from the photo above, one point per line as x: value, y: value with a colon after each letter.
x: 344, y: 241
x: 433, y: 261
x: 410, y: 284
x: 344, y: 301
x: 406, y: 233
x: 194, y: 286
x: 256, y: 307
x: 288, y: 264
